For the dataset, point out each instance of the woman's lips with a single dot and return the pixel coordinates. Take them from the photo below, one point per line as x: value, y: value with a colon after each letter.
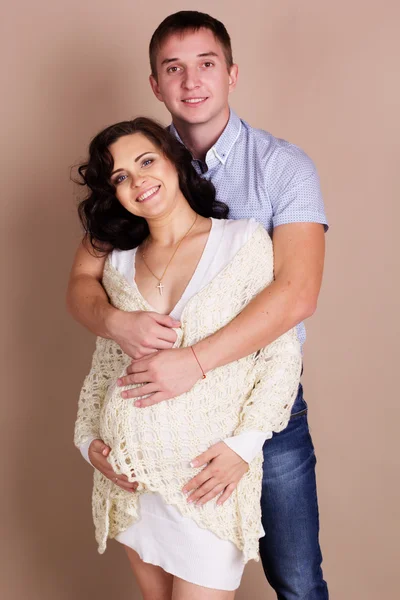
x: 150, y: 193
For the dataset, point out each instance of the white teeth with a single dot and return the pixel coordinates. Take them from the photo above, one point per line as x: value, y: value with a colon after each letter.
x: 148, y: 193
x: 194, y: 100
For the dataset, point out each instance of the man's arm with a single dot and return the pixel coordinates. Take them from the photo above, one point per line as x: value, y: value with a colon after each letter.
x: 299, y: 250
x: 87, y: 300
x: 137, y: 333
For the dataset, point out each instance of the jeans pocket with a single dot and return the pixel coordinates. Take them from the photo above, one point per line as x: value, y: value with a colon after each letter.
x: 300, y: 413
x: 300, y: 407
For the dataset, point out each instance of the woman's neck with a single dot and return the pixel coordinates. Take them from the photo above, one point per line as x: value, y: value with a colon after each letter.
x: 170, y: 229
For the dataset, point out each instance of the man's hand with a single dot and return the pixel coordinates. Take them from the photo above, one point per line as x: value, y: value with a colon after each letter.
x: 165, y: 375
x: 98, y: 452
x: 222, y: 474
x: 141, y: 333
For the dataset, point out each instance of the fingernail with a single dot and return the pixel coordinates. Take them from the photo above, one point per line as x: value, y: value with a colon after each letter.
x: 105, y: 451
x: 190, y: 500
x: 124, y: 394
x: 194, y: 463
x: 137, y: 403
x: 119, y: 381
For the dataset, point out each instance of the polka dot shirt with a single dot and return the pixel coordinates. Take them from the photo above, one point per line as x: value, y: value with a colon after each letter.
x: 260, y: 176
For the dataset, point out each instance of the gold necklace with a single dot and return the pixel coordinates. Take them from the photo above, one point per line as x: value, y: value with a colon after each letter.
x: 160, y: 285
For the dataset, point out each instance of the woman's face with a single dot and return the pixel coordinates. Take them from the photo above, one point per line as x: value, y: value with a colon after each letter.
x: 146, y: 182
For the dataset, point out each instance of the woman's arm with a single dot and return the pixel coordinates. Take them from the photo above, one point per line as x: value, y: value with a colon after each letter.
x: 277, y: 372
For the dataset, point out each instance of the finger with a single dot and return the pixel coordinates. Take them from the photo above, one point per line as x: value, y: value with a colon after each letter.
x: 117, y: 478
x: 212, y: 494
x: 124, y: 485
x: 227, y: 493
x: 154, y: 398
x: 132, y: 379
x: 197, y: 481
x: 140, y: 365
x: 202, y: 490
x: 205, y: 457
x: 98, y: 446
x: 143, y: 390
x: 161, y: 344
x: 165, y: 320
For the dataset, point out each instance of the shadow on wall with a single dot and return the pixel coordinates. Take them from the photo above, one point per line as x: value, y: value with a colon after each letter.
x: 52, y: 496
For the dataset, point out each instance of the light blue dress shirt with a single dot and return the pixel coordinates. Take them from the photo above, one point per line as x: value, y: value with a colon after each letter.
x: 258, y: 175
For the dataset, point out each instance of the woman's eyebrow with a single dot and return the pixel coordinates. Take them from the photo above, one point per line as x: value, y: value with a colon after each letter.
x: 136, y: 159
x: 140, y: 155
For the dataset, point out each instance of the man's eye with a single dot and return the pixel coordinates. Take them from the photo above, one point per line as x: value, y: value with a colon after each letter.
x: 173, y: 69
x: 208, y: 64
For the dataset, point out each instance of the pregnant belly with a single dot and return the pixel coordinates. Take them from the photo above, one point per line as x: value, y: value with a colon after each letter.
x: 163, y: 438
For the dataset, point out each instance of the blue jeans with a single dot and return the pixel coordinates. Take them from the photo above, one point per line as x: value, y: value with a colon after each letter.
x: 290, y: 551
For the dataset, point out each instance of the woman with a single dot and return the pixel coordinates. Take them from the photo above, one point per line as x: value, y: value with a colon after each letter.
x: 172, y: 250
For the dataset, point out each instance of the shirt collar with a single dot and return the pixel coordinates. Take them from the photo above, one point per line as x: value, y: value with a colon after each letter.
x: 224, y: 144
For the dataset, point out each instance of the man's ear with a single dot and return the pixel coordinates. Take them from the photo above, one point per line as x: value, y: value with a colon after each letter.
x: 155, y: 87
x: 233, y: 77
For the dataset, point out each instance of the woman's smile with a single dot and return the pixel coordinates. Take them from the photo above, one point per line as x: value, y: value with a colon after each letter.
x: 148, y: 194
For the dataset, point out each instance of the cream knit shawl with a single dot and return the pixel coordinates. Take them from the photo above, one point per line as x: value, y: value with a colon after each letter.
x: 157, y: 443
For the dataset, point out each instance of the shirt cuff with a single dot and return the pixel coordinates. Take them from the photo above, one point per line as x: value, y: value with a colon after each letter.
x: 84, y: 449
x: 249, y: 443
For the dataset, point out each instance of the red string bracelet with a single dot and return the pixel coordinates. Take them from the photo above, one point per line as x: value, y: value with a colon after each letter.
x: 198, y: 362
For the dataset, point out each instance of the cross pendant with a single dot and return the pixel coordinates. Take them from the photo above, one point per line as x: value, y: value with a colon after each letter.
x: 160, y: 288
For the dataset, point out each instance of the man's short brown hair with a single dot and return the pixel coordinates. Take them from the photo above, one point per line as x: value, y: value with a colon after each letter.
x: 188, y: 20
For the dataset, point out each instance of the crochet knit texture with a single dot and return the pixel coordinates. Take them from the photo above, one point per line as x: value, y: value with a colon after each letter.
x: 155, y: 445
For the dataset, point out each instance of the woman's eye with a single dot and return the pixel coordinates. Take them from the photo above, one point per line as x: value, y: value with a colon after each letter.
x: 119, y: 179
x: 147, y: 162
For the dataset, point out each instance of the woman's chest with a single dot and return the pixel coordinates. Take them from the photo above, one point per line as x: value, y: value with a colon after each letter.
x: 162, y: 277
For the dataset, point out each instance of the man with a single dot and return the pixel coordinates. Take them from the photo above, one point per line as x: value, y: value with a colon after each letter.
x: 258, y: 176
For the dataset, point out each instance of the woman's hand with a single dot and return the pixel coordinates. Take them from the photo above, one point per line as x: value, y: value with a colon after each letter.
x: 222, y: 474
x: 98, y: 452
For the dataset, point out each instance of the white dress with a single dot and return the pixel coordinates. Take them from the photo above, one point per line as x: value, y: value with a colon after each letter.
x: 162, y: 536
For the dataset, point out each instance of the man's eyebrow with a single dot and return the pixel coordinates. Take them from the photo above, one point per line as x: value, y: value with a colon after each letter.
x: 166, y: 61
x: 136, y: 159
x: 208, y: 54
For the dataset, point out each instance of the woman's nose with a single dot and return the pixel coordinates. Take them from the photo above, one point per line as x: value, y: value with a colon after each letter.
x: 137, y: 181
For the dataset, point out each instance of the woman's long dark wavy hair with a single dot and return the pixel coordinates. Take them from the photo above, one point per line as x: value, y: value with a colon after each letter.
x: 107, y: 223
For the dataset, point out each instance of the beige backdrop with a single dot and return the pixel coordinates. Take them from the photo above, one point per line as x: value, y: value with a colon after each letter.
x: 324, y: 76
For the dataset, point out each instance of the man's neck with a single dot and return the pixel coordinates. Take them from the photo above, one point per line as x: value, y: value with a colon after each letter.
x: 200, y: 137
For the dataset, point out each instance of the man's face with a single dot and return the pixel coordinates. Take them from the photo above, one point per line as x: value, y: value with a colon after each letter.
x: 193, y: 79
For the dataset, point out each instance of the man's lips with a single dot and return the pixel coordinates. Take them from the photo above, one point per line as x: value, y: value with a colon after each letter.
x: 195, y: 101
x: 148, y: 193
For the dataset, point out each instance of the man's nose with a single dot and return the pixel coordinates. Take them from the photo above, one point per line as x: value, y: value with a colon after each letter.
x: 191, y: 79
